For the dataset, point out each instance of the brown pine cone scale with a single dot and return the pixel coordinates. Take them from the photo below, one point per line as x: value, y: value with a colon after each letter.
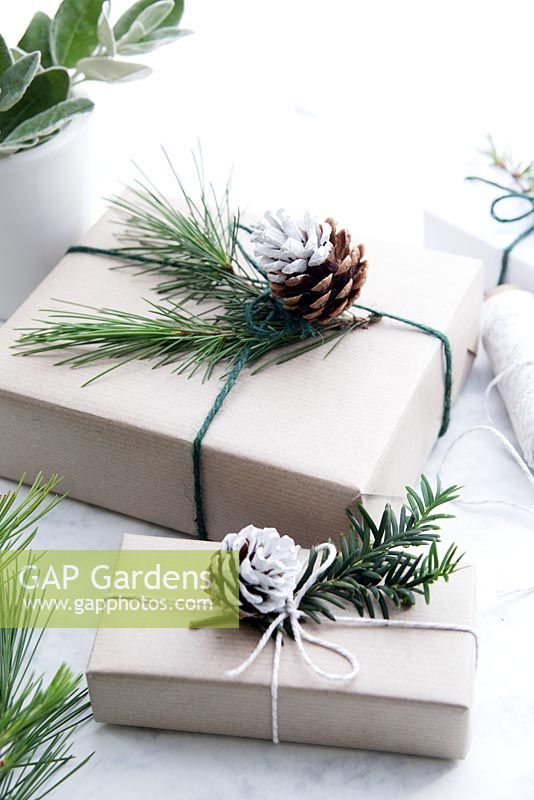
x: 324, y: 291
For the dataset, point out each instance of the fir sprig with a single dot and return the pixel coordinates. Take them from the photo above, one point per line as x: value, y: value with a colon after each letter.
x: 37, y: 719
x: 373, y: 570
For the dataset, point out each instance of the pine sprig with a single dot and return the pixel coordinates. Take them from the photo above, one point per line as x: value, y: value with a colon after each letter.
x: 37, y: 720
x: 373, y: 570
x: 173, y: 336
x: 521, y: 173
x: 196, y: 250
x: 219, y: 306
x: 20, y: 515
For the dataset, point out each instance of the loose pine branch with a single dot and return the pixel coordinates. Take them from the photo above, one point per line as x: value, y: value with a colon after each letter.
x: 373, y: 570
x: 20, y: 515
x: 521, y: 173
x: 37, y: 720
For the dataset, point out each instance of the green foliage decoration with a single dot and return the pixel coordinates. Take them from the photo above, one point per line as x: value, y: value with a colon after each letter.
x: 37, y: 718
x: 521, y: 173
x: 378, y: 564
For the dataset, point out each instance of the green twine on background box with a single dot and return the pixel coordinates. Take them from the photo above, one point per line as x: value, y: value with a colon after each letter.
x: 307, y: 331
x: 508, y: 194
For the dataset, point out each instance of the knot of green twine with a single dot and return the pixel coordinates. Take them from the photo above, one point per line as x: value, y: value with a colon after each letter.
x: 277, y: 311
x: 264, y: 329
x: 508, y: 194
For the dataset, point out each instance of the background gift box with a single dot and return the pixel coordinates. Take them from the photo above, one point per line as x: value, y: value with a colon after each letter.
x: 458, y: 220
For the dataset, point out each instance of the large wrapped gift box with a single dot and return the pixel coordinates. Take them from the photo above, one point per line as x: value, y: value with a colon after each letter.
x: 413, y: 693
x: 458, y: 220
x: 291, y: 447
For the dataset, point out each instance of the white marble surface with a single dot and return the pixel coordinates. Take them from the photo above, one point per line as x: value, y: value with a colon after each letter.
x: 140, y: 763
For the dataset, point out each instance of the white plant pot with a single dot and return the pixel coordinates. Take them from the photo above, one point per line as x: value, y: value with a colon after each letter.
x: 45, y: 206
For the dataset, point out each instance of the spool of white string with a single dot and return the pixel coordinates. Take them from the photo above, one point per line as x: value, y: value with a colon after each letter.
x: 508, y: 337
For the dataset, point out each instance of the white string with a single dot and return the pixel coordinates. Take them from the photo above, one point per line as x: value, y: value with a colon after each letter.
x: 511, y: 450
x: 290, y: 609
x: 274, y: 685
x: 510, y: 592
x: 292, y: 612
x: 529, y: 362
x: 508, y: 336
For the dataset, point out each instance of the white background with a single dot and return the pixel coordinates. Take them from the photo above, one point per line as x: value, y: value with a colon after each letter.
x: 346, y: 106
x: 354, y: 109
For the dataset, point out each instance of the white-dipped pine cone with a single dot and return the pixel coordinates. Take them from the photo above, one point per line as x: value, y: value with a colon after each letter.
x: 314, y: 269
x: 268, y: 569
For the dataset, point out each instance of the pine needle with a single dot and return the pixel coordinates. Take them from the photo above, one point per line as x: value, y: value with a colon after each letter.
x: 37, y: 719
x: 217, y: 302
x: 373, y: 570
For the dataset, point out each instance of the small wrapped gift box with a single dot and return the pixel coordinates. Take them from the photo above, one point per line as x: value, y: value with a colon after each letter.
x: 413, y: 693
x: 291, y: 447
x: 459, y: 221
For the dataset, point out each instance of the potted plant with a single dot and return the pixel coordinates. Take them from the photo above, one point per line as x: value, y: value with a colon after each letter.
x: 45, y: 166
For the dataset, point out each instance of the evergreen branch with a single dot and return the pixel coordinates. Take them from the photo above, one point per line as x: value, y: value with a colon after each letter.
x: 37, y: 720
x: 196, y: 249
x: 373, y: 570
x: 19, y: 517
x: 521, y: 173
x: 174, y: 335
x: 199, y: 253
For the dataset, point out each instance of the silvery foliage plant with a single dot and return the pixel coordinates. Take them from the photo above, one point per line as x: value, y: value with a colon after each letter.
x: 80, y: 43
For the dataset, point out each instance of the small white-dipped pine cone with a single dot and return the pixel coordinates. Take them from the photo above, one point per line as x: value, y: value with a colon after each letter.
x: 313, y: 269
x: 268, y: 569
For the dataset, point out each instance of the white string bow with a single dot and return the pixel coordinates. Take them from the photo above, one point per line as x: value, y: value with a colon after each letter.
x: 291, y: 611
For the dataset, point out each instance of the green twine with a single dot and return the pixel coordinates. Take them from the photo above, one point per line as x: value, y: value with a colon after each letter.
x: 219, y: 400
x: 447, y: 353
x: 307, y: 331
x: 507, y: 195
x: 290, y: 320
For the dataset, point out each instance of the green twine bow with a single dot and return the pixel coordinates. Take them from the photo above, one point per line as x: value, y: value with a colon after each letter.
x: 508, y: 194
x: 262, y: 329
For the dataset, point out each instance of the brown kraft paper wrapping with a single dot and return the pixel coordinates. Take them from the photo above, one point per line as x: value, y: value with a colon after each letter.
x: 413, y: 693
x: 292, y: 447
